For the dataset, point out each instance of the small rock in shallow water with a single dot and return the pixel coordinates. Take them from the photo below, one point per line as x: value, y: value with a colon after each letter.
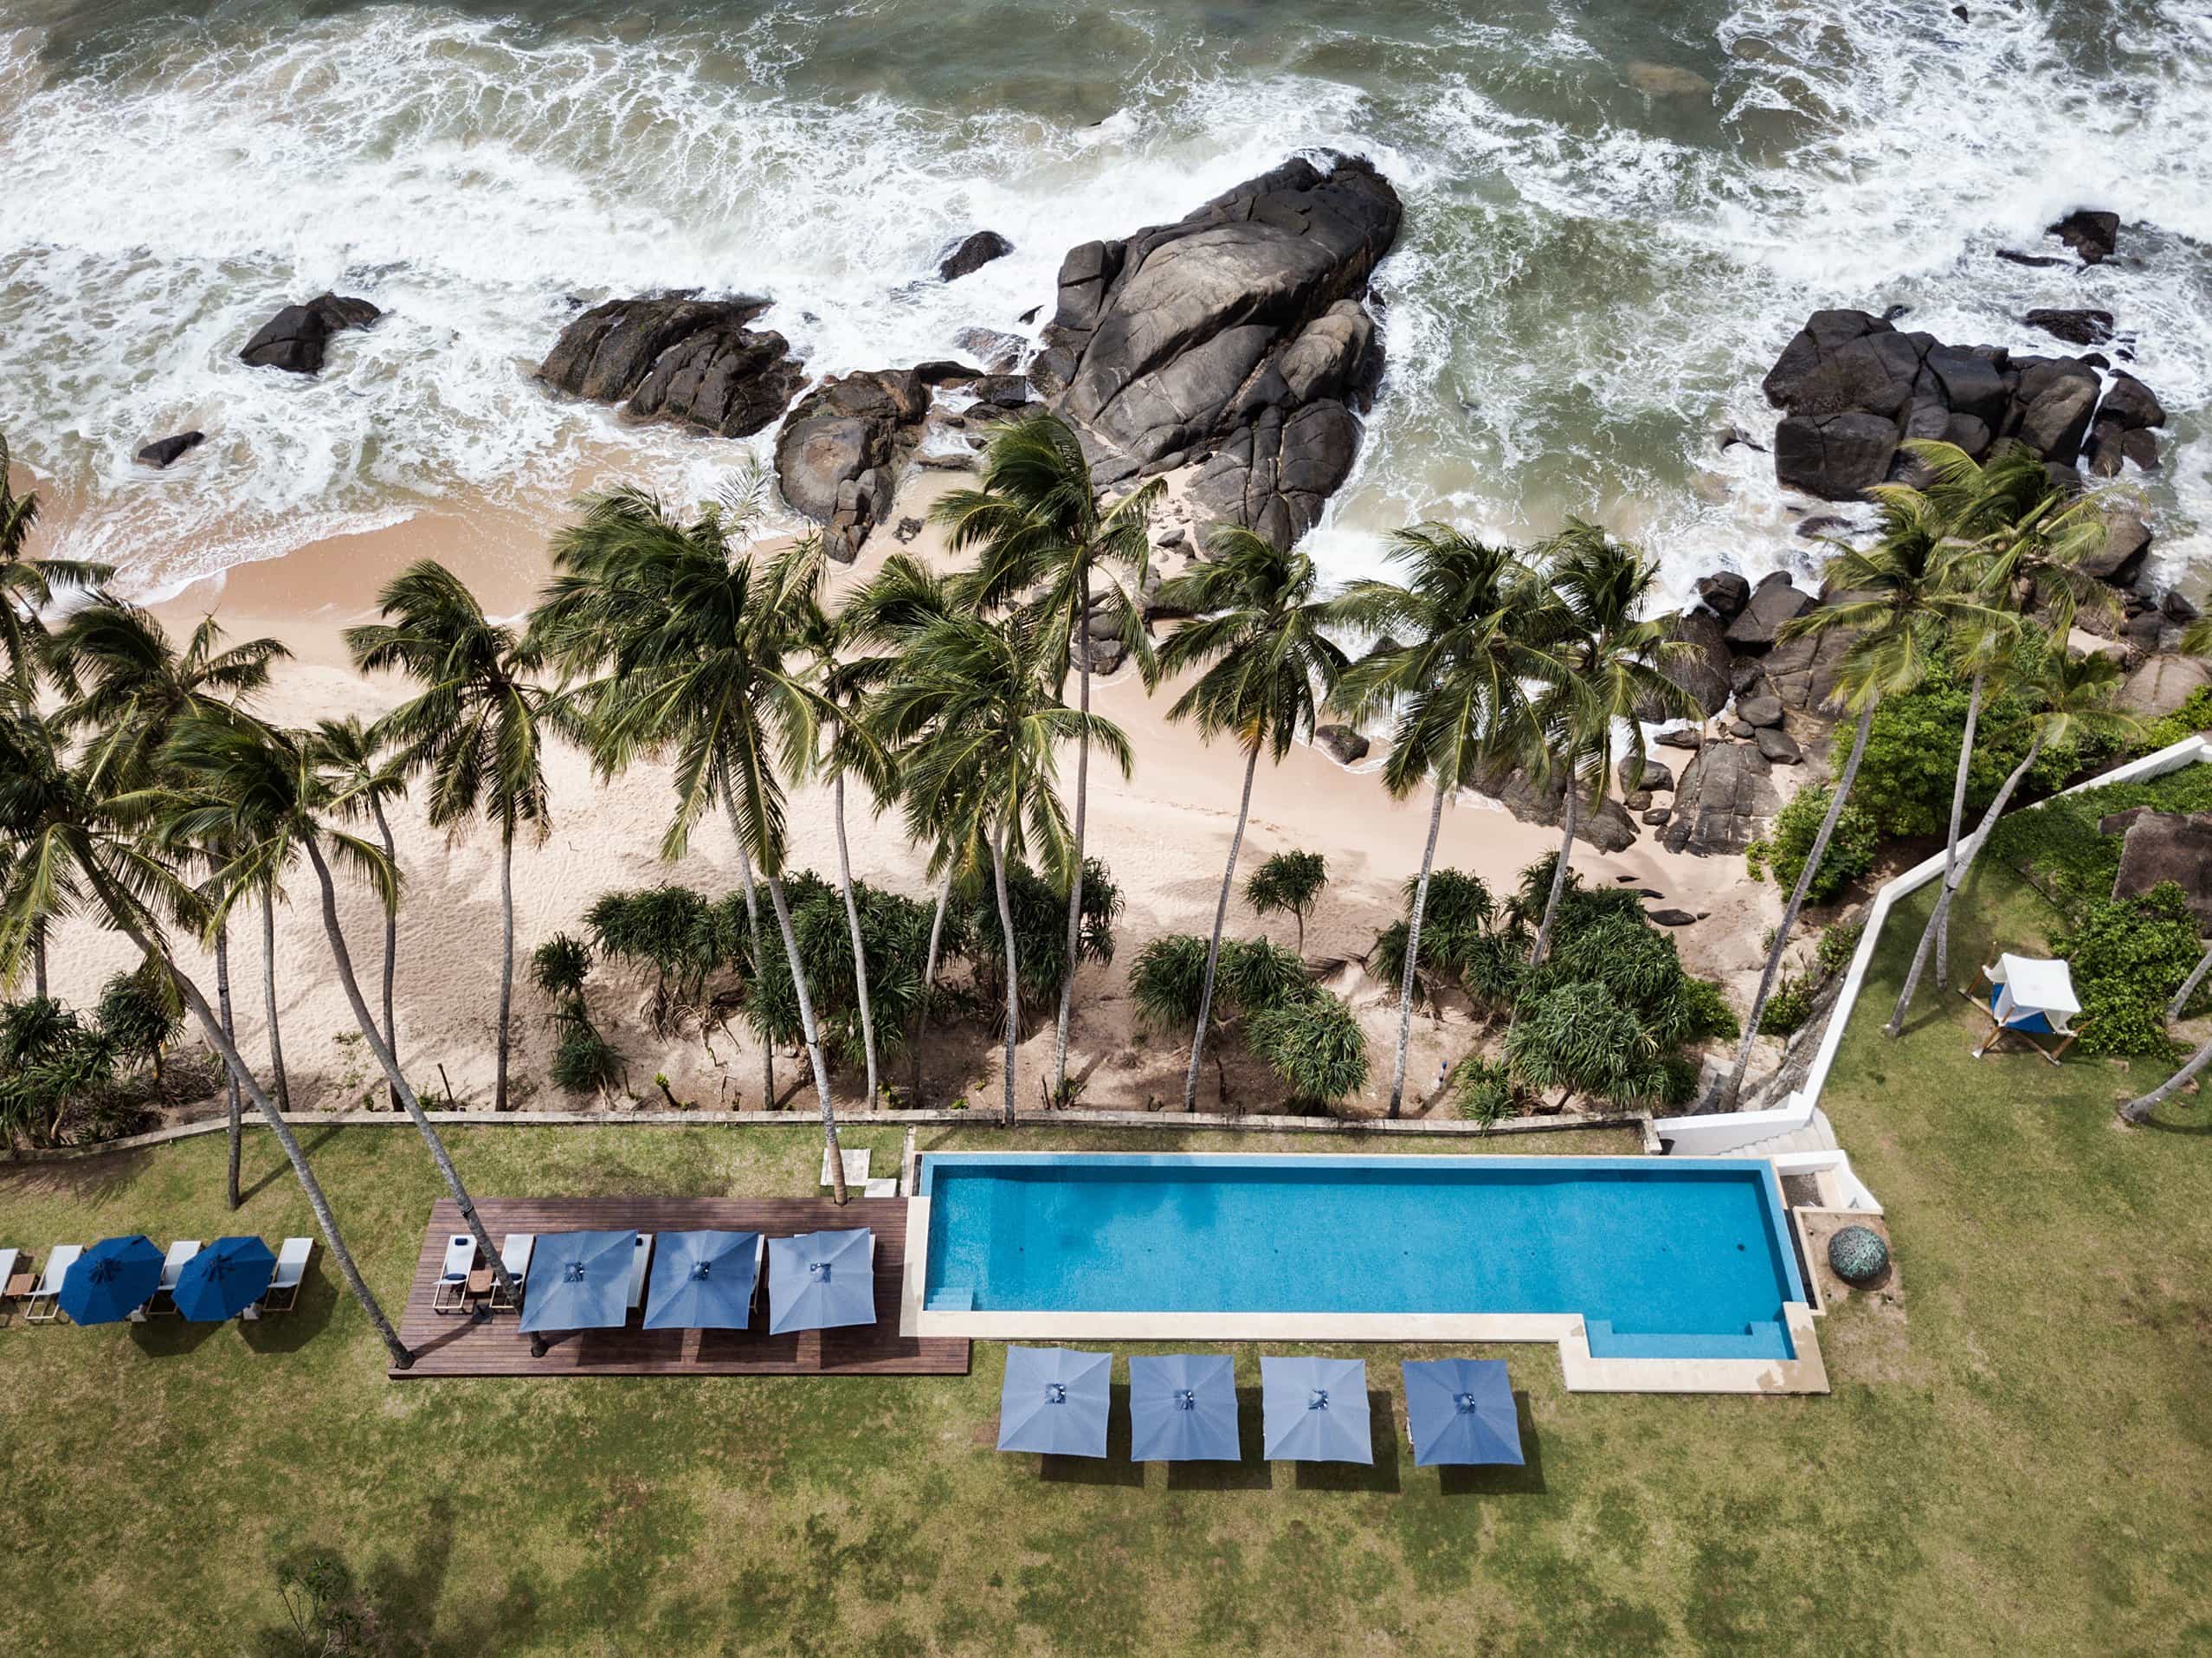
x: 1665, y: 80
x: 2086, y: 326
x: 164, y: 451
x: 972, y: 254
x: 2090, y: 233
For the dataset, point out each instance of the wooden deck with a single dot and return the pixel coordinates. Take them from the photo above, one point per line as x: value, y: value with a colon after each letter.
x: 455, y: 1345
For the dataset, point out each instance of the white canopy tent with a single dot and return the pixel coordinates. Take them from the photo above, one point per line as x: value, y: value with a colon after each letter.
x: 2030, y: 997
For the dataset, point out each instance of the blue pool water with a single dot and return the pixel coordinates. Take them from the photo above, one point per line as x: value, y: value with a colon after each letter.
x: 1663, y: 1258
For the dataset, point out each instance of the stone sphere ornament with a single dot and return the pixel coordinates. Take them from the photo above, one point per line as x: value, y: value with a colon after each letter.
x: 1858, y: 1254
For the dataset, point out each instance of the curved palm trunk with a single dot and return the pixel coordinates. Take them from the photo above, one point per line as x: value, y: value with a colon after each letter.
x: 391, y: 940
x: 752, y: 926
x: 813, y: 1040
x: 1013, y: 973
x: 1075, y: 885
x: 237, y: 1127
x: 38, y: 960
x: 1213, y: 949
x: 2189, y: 986
x: 1413, y: 952
x: 506, y: 964
x: 860, y: 952
x: 2140, y: 1108
x: 1559, y: 878
x: 929, y: 975
x: 268, y: 995
x: 1842, y: 793
x: 384, y: 1057
x: 120, y: 911
x: 1954, y: 878
x: 1951, y: 841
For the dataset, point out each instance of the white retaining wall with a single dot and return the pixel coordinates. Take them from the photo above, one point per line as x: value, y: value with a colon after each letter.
x: 1720, y: 1133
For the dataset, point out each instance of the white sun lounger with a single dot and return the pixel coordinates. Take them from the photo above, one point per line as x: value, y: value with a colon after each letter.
x: 514, y: 1254
x: 8, y: 1260
x: 283, y: 1293
x: 450, y: 1292
x: 59, y: 1260
x: 163, y: 1298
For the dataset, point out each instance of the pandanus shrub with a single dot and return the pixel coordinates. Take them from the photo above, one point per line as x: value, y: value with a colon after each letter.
x: 895, y: 934
x: 138, y: 1012
x: 559, y: 966
x: 1040, y: 911
x: 1311, y: 1040
x: 1314, y: 1045
x: 50, y: 1060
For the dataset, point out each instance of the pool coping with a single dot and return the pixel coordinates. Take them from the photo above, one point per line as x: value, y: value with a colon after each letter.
x: 1583, y: 1372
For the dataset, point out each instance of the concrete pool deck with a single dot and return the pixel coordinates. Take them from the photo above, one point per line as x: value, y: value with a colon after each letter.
x: 1582, y: 1370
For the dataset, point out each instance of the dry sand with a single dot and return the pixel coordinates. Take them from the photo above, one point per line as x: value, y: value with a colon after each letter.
x: 1165, y: 835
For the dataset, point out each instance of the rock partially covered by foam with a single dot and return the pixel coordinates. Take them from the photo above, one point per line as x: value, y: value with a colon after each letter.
x: 1235, y: 338
x: 678, y: 358
x: 1853, y: 388
x: 296, y: 339
x: 837, y: 457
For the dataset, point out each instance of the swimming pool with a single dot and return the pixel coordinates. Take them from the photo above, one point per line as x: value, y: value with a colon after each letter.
x: 1643, y: 1258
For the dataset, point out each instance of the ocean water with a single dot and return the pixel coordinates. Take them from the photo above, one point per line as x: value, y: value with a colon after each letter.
x: 1680, y: 1247
x: 1619, y: 210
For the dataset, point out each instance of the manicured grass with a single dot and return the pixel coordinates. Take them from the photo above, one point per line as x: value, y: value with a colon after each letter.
x: 2016, y: 1465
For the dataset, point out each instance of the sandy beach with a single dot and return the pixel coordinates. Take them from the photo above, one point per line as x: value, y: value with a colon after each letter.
x: 1163, y: 834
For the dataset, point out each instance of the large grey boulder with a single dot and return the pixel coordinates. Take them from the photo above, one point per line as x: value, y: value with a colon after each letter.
x: 1235, y: 336
x: 2130, y: 403
x: 837, y: 453
x: 1802, y: 671
x: 1646, y: 774
x: 1341, y: 743
x: 1837, y: 457
x: 2054, y: 424
x: 2127, y: 540
x: 164, y: 452
x: 1725, y: 802
x: 296, y: 339
x: 1725, y: 593
x: 2169, y: 846
x: 678, y: 358
x: 1610, y: 829
x: 2162, y: 684
x: 1774, y: 601
x: 1702, y: 670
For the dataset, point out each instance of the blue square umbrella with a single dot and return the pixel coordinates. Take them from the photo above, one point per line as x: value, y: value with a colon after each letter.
x: 111, y: 1280
x: 1314, y: 1410
x: 819, y: 1281
x: 224, y: 1280
x: 1460, y: 1410
x: 1183, y: 1408
x: 579, y: 1281
x: 1055, y: 1401
x: 703, y: 1280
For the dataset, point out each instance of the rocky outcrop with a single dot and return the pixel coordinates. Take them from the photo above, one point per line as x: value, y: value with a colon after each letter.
x: 1726, y: 801
x: 297, y: 337
x: 1853, y: 388
x: 2162, y: 684
x: 1775, y: 602
x: 1234, y: 339
x: 165, y: 451
x: 2091, y: 234
x: 1341, y: 743
x: 1610, y: 829
x: 1702, y: 670
x: 678, y: 358
x: 2127, y: 542
x: 2159, y: 847
x: 972, y: 254
x: 837, y: 457
x: 2078, y: 327
x: 1725, y: 593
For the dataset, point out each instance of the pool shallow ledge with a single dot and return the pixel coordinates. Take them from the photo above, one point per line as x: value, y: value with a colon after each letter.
x: 1582, y: 1370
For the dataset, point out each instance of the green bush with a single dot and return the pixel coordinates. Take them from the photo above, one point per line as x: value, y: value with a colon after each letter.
x: 1313, y: 1044
x: 2129, y: 956
x: 559, y: 966
x: 1482, y: 1091
x: 2192, y: 717
x: 1911, y: 764
x: 139, y: 1013
x: 1836, y: 947
x: 1578, y: 1038
x: 1850, y: 848
x: 51, y: 1063
x: 584, y: 1060
x: 1040, y: 911
x: 2058, y: 843
x: 1786, y: 1009
x: 1289, y: 883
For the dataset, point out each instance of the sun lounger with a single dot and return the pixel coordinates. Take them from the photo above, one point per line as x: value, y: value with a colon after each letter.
x: 514, y: 1254
x: 59, y: 1260
x: 163, y: 1300
x: 450, y: 1292
x: 10, y: 1289
x: 283, y: 1293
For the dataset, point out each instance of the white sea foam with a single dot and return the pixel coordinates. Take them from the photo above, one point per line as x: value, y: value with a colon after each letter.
x: 1591, y: 281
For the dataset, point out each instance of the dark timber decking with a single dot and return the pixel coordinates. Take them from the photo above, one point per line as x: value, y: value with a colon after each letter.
x: 453, y: 1345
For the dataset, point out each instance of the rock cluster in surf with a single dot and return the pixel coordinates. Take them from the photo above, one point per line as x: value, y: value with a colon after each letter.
x: 679, y: 358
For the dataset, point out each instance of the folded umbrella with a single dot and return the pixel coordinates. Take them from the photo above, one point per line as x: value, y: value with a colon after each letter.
x: 111, y: 1280
x: 224, y: 1280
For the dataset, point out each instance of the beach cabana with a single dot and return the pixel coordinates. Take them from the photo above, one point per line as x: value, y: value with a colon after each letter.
x: 1460, y: 1410
x: 1183, y: 1408
x: 820, y: 1281
x: 111, y: 1280
x: 224, y: 1280
x: 2031, y: 998
x: 1314, y: 1410
x: 579, y: 1281
x: 1054, y: 1400
x: 703, y: 1280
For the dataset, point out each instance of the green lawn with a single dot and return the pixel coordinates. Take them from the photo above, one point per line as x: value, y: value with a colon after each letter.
x: 2019, y: 1464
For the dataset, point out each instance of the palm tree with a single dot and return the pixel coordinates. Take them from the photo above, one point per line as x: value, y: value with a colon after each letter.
x: 2138, y: 1109
x: 242, y: 783
x: 2067, y: 696
x: 1907, y: 593
x: 473, y: 729
x: 1458, y: 693
x: 1262, y: 662
x: 1037, y: 520
x: 690, y: 655
x: 76, y: 845
x: 129, y: 689
x: 974, y: 710
x: 29, y: 586
x: 365, y: 773
x: 1614, y: 680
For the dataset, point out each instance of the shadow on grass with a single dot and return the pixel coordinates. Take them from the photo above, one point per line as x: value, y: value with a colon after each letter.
x: 1245, y: 1474
x: 93, y: 1178
x: 1382, y: 1442
x: 280, y: 1168
x: 287, y: 1332
x: 1115, y: 1469
x: 1502, y: 1479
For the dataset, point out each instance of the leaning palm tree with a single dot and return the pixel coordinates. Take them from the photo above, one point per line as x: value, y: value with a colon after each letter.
x: 475, y: 729
x: 1614, y: 659
x: 1908, y: 592
x: 667, y: 631
x: 29, y: 586
x: 2138, y: 1109
x: 2068, y: 697
x: 239, y: 783
x: 1459, y: 693
x: 366, y: 772
x: 1263, y: 662
x: 1075, y: 568
x: 76, y: 843
x: 973, y: 708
